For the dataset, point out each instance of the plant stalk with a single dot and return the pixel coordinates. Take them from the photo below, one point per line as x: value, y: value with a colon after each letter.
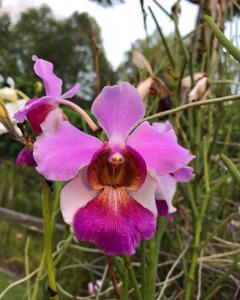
x: 46, y: 197
x: 192, y: 104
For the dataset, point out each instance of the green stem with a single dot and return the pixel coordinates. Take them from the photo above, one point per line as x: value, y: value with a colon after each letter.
x: 125, y: 285
x: 132, y: 277
x: 192, y: 104
x: 198, y: 228
x: 55, y: 209
x: 46, y: 197
x: 163, y: 9
x: 205, y: 164
x: 225, y: 81
x: 35, y: 294
x: 152, y: 260
x: 196, y: 243
x: 165, y: 44
x: 234, y: 51
x: 191, y: 200
x: 143, y: 267
x: 27, y: 269
x: 63, y: 251
x: 196, y: 248
x: 231, y: 168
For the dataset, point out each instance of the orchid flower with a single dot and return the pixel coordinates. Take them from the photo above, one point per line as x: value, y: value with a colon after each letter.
x: 116, y: 186
x: 37, y: 110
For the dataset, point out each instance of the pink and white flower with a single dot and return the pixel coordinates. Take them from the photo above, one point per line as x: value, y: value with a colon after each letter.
x: 116, y: 186
x: 37, y: 110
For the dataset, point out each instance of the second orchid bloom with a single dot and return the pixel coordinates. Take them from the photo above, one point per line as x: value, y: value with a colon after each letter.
x: 117, y: 187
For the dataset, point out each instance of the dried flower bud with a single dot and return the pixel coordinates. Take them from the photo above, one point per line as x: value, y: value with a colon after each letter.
x: 140, y: 61
x: 144, y: 87
x: 176, y: 9
x: 200, y: 89
x: 165, y: 103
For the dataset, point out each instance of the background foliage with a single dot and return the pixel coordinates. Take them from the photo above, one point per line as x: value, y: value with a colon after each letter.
x: 197, y: 255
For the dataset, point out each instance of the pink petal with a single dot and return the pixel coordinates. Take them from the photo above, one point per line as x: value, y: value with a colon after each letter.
x: 33, y: 104
x: 60, y: 155
x: 184, y: 175
x: 52, y: 121
x: 75, y: 195
x: 160, y: 151
x: 52, y: 83
x: 164, y: 127
x: 115, y: 222
x: 145, y: 195
x: 72, y: 92
x: 25, y: 157
x: 118, y: 109
x: 166, y: 189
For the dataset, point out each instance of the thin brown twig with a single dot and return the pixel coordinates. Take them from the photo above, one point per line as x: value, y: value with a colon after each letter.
x: 113, y: 277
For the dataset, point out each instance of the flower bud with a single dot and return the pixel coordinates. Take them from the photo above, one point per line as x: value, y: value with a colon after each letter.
x: 200, y: 89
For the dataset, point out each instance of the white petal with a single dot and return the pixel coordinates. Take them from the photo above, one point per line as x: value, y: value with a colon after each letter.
x: 166, y: 189
x: 53, y: 119
x: 146, y: 194
x: 76, y: 194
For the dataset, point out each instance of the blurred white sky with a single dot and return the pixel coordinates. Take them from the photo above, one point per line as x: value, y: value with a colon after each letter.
x: 120, y: 25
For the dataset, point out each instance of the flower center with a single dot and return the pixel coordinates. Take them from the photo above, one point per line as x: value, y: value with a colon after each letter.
x: 121, y: 167
x: 116, y: 159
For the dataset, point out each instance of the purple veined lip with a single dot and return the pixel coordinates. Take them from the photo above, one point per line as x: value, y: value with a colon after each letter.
x: 114, y: 210
x: 115, y: 222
